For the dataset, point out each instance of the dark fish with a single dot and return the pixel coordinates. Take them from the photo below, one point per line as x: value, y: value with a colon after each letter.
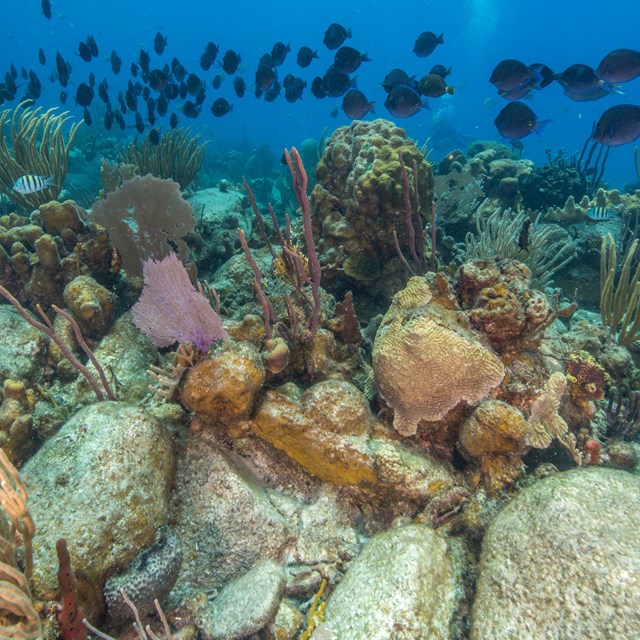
x: 618, y: 125
x: 84, y: 95
x: 273, y: 92
x: 151, y: 105
x: 172, y: 91
x: 108, y: 119
x: 355, y: 104
x: 158, y: 80
x: 595, y: 93
x: 230, y: 62
x: 84, y: 52
x: 239, y: 86
x: 24, y: 73
x: 265, y: 77
x: 42, y: 59
x: 397, y: 77
x: 159, y: 43
x: 209, y: 56
x: 93, y: 46
x: 336, y: 82
x: 13, y: 71
x: 220, y: 108
x: 403, y: 102
x: 121, y: 102
x: 63, y: 97
x: 162, y: 105
x: 305, y: 56
x: 190, y: 109
x: 154, y: 137
x: 266, y: 58
x: 517, y: 121
x: 34, y: 87
x: 92, y: 79
x: 146, y: 92
x: 117, y: 116
x: 317, y: 88
x: 194, y: 84
x: 334, y: 113
x: 518, y: 93
x: 134, y: 69
x: 620, y: 65
x: 542, y: 75
x: 335, y: 35
x: 179, y: 72
x: 348, y: 59
x: 173, y: 121
x: 183, y: 92
x: 216, y: 83
x: 433, y: 86
x: 116, y: 63
x: 293, y: 91
x: 581, y: 79
x: 426, y: 43
x: 523, y: 237
x: 279, y: 53
x: 200, y: 97
x: 144, y: 59
x: 103, y: 92
x: 131, y: 100
x: 440, y: 70
x: 139, y: 123
x: 46, y: 9
x: 601, y: 213
x: 86, y: 116
x: 510, y: 74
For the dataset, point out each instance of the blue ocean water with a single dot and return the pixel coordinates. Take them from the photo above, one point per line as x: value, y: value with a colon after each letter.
x: 477, y: 35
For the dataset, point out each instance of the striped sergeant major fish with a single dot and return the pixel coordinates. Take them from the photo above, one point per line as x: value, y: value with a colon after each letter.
x: 601, y: 213
x: 31, y: 184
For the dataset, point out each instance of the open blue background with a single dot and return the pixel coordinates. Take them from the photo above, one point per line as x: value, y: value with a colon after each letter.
x: 477, y: 34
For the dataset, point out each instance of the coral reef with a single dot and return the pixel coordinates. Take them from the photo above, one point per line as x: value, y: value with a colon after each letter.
x: 40, y: 255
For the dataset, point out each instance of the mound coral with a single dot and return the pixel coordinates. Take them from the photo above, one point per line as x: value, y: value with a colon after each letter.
x: 356, y: 200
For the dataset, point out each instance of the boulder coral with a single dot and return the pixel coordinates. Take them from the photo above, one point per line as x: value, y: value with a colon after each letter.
x: 426, y: 362
x: 355, y: 203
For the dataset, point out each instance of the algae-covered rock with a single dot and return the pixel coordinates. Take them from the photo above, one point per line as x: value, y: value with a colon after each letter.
x: 330, y: 431
x: 102, y: 483
x: 562, y: 560
x: 91, y: 305
x: 406, y: 585
x: 20, y: 346
x: 245, y: 605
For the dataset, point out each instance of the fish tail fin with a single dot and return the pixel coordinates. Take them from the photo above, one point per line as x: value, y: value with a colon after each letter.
x: 440, y: 39
x: 451, y: 90
x: 541, y: 126
x: 353, y: 83
x: 425, y: 105
x: 371, y: 107
x: 349, y: 32
x: 49, y: 182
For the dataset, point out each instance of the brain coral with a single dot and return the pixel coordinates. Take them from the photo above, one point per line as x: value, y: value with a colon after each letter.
x: 358, y: 195
x: 425, y: 362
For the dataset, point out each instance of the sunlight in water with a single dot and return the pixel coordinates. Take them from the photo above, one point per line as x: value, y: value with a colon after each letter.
x: 483, y: 22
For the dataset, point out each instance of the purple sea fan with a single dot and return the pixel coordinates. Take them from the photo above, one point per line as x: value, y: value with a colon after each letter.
x: 170, y: 309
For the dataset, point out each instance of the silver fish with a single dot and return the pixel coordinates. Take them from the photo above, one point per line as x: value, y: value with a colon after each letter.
x: 601, y: 213
x: 31, y: 184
